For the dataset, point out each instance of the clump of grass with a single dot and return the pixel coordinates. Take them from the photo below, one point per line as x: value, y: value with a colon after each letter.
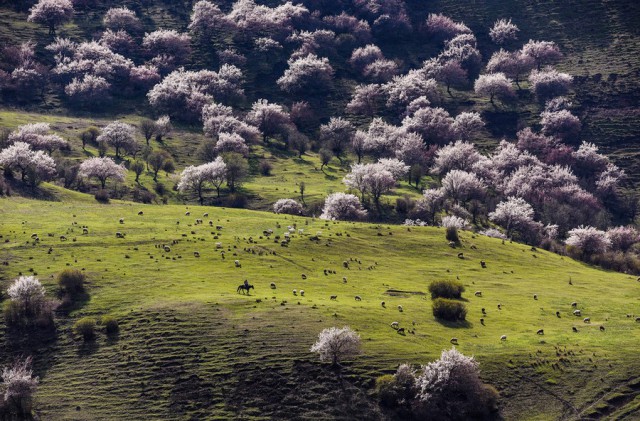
x: 110, y: 324
x: 86, y: 327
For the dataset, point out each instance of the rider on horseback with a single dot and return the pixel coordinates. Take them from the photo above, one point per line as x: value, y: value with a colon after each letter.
x: 246, y: 284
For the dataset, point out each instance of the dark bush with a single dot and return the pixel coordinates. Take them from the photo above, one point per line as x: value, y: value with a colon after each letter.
x: 236, y: 200
x: 143, y: 195
x: 85, y: 327
x: 404, y: 205
x: 110, y: 324
x: 102, y: 196
x: 71, y: 281
x: 446, y: 289
x: 160, y: 189
x: 452, y: 235
x: 450, y: 310
x: 265, y: 168
x: 387, y: 391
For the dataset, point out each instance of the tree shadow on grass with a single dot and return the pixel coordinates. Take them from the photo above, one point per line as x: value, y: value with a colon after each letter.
x: 88, y: 347
x: 460, y: 324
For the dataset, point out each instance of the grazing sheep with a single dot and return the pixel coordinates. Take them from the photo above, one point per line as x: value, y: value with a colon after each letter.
x: 167, y: 249
x: 384, y: 305
x: 499, y: 306
x: 535, y: 296
x: 454, y: 341
x: 333, y: 297
x: 540, y: 332
x: 574, y: 304
x: 460, y: 255
x: 218, y: 245
x: 395, y: 325
x: 85, y: 231
x: 304, y: 276
x: 345, y: 264
x: 140, y: 213
x: 63, y: 238
x: 344, y: 279
x: 484, y: 311
x: 302, y: 292
x: 482, y: 322
x: 118, y: 235
x: 187, y: 213
x: 237, y: 263
x: 478, y: 294
x: 575, y: 329
x: 358, y: 298
x: 122, y: 220
x: 295, y: 292
x: 452, y: 244
x: 558, y: 314
x: 503, y: 337
x: 483, y: 264
x: 400, y: 308
x: 587, y: 320
x: 637, y: 319
x: 34, y: 236
x: 198, y: 221
x: 401, y: 331
x: 205, y: 215
x: 273, y: 285
x: 196, y: 254
x: 219, y: 227
x: 300, y: 231
x: 577, y: 313
x: 602, y: 328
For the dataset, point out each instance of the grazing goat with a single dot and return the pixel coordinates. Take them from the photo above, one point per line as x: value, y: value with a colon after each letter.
x: 483, y: 264
x: 333, y: 297
x: 540, y: 332
x: 358, y: 298
x: 478, y: 294
x: 384, y: 305
x: 499, y: 306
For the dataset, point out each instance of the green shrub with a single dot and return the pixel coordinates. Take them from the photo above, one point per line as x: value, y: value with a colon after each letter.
x: 102, y: 196
x: 450, y: 310
x: 13, y: 314
x: 446, y: 289
x: 110, y: 325
x: 71, y: 281
x: 85, y: 327
x: 452, y: 234
x: 386, y: 390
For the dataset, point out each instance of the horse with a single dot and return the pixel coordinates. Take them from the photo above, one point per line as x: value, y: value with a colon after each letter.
x: 244, y: 288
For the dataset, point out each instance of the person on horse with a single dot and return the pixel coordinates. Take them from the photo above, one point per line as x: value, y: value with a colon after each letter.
x: 246, y: 284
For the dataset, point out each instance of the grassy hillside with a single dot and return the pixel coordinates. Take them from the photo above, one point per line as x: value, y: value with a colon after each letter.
x: 190, y: 347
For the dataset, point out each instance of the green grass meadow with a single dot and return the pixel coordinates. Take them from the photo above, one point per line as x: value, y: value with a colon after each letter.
x: 181, y: 317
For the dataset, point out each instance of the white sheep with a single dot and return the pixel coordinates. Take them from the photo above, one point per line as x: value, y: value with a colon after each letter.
x: 218, y: 245
x: 395, y: 325
x: 300, y: 231
x: 273, y: 285
x: 503, y: 337
x: 344, y: 279
x: 302, y: 292
x: 187, y: 213
x: 205, y: 215
x: 237, y: 263
x: 295, y: 292
x: 122, y: 220
x: 577, y: 313
x: 400, y: 308
x: 587, y: 320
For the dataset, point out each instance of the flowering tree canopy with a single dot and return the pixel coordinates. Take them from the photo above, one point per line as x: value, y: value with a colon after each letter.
x: 51, y: 13
x: 102, y: 169
x: 342, y: 206
x: 34, y: 166
x: 335, y: 344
